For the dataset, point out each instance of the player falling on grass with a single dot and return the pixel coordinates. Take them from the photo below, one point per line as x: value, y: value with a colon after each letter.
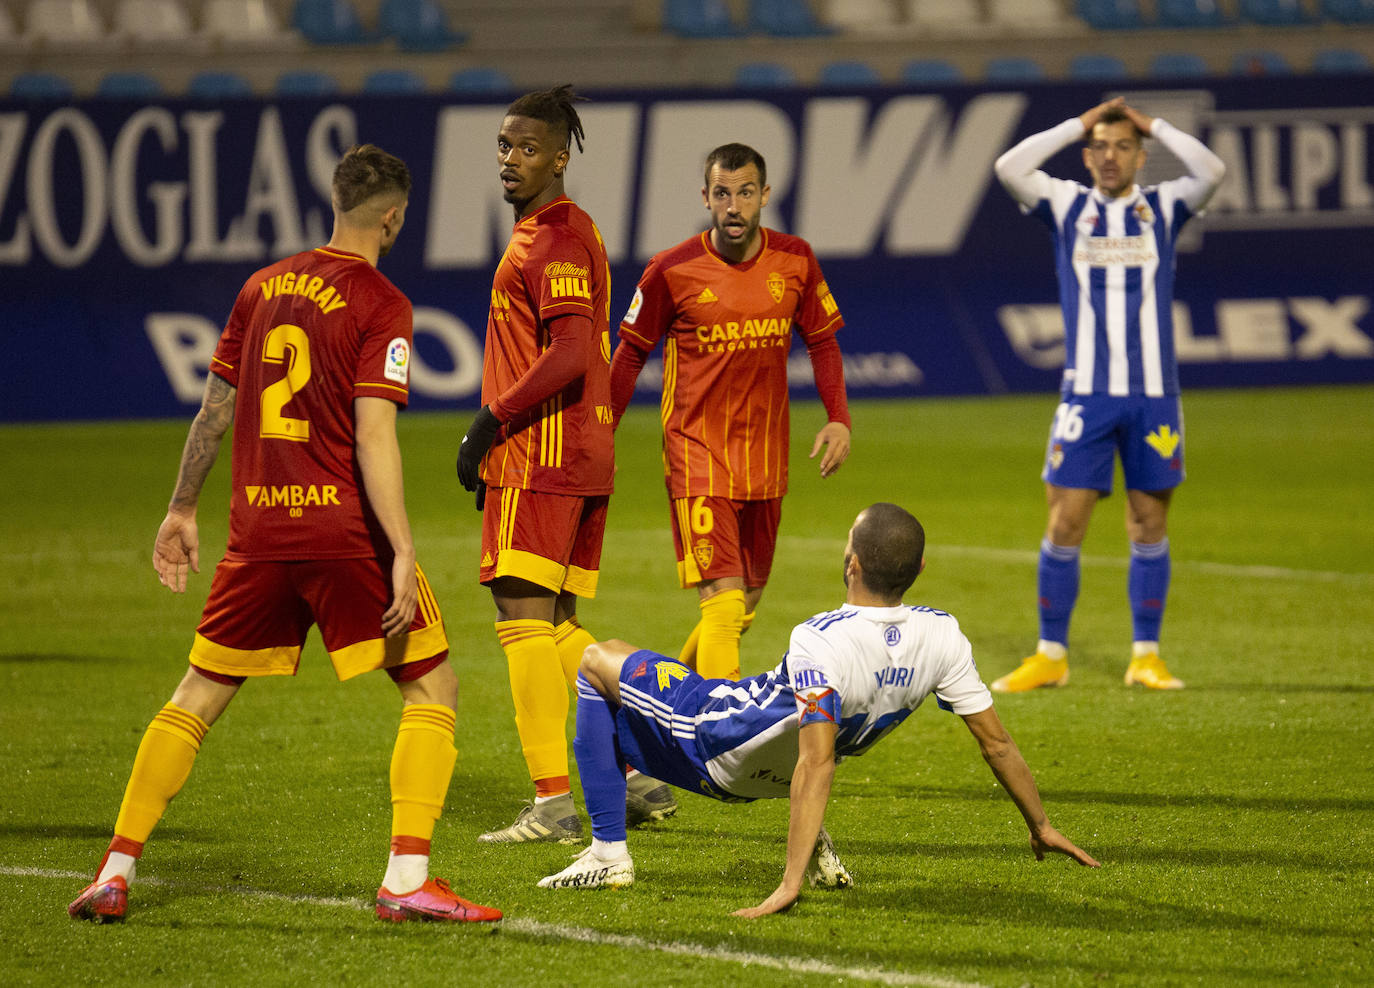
x: 1114, y: 252
x: 313, y: 364
x: 541, y: 452
x: 725, y: 303
x: 849, y: 677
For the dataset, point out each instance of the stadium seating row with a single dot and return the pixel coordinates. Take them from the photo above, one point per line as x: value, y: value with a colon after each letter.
x: 794, y: 18
x: 221, y: 85
x: 752, y: 75
x: 414, y: 25
x: 1022, y: 68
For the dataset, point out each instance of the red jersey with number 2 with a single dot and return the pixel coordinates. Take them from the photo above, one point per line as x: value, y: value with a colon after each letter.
x: 307, y: 336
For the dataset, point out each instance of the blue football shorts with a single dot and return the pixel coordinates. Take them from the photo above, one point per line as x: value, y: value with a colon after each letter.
x: 656, y: 693
x: 1088, y: 430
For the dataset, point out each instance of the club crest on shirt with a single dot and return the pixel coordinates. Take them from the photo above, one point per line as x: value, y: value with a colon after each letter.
x: 397, y: 361
x: 703, y: 552
x: 1056, y: 456
x: 776, y: 286
x: 1143, y: 212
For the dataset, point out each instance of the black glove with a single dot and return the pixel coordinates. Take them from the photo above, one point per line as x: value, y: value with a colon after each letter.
x: 480, y: 435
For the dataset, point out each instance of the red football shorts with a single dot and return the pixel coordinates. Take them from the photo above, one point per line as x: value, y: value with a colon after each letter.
x: 257, y: 615
x: 717, y: 537
x: 552, y: 540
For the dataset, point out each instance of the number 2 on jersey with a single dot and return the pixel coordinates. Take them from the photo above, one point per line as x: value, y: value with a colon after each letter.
x: 289, y: 345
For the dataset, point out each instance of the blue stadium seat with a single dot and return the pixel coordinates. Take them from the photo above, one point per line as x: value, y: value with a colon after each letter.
x: 129, y: 85
x: 1341, y: 61
x: 1013, y: 68
x: 1278, y: 12
x: 306, y: 82
x: 1094, y: 65
x: 931, y: 71
x: 418, y: 25
x: 785, y: 19
x: 1260, y: 61
x: 393, y: 81
x: 329, y: 22
x: 40, y: 86
x: 1189, y: 13
x: 848, y: 72
x: 1349, y: 11
x: 480, y: 80
x: 1110, y: 15
x: 218, y: 85
x: 1178, y: 65
x: 699, y: 19
x: 764, y: 75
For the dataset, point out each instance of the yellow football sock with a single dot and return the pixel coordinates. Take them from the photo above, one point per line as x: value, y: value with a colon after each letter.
x: 722, y: 622
x: 161, y: 767
x: 540, y: 693
x: 421, y: 766
x: 572, y: 640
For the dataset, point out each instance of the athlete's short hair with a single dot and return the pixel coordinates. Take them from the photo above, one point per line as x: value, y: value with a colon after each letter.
x: 889, y: 543
x: 733, y: 157
x: 364, y: 171
x: 555, y: 108
x: 1115, y: 115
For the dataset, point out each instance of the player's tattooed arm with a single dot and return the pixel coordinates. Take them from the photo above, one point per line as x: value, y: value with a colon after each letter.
x: 213, y: 420
x: 176, y: 551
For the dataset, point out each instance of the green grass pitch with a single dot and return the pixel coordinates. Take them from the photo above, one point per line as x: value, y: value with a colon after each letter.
x: 1234, y: 820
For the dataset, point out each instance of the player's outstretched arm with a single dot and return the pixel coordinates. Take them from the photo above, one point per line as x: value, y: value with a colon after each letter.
x: 379, y: 462
x: 810, y: 792
x: 1004, y: 758
x: 177, y: 546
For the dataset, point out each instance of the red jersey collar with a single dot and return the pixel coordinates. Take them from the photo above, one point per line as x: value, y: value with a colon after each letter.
x: 736, y: 265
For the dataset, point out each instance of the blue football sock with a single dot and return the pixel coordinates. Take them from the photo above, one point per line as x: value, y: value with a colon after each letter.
x: 600, y: 764
x: 1057, y: 582
x: 1147, y: 583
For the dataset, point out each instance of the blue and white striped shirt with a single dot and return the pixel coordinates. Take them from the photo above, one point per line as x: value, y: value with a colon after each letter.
x: 1115, y: 260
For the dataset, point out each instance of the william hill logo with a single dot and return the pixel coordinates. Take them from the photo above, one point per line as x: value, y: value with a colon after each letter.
x: 568, y: 280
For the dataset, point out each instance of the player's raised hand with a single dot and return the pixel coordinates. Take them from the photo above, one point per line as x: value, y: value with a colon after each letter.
x: 780, y: 901
x: 176, y: 549
x: 834, y: 438
x: 1049, y: 839
x: 1090, y: 118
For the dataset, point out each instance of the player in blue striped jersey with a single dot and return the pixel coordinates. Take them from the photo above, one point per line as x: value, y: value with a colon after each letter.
x: 1114, y: 256
x: 849, y: 677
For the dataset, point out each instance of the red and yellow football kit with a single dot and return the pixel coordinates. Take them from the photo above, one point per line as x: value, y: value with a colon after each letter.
x: 726, y: 331
x: 546, y: 375
x: 306, y: 337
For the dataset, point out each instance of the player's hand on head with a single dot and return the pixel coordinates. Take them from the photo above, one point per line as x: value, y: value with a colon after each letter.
x: 175, y: 550
x: 405, y: 596
x: 1050, y: 840
x: 834, y: 439
x: 1143, y: 121
x: 1090, y: 118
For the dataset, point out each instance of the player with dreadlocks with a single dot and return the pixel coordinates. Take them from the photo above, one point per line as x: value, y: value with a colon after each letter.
x: 540, y: 453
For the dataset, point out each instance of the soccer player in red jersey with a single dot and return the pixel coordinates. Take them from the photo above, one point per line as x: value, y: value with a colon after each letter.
x: 541, y: 452
x: 313, y: 363
x: 725, y: 303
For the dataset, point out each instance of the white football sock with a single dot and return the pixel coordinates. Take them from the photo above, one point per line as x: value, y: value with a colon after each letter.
x: 405, y: 873
x: 118, y: 863
x: 610, y: 850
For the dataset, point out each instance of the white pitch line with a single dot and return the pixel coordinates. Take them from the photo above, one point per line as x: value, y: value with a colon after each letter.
x: 558, y: 931
x: 1016, y: 556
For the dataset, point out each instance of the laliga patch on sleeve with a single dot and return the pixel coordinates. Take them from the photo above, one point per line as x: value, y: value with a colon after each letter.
x: 397, y: 361
x: 633, y: 312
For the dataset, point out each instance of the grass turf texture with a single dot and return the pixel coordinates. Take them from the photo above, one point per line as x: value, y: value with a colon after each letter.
x: 1232, y: 819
